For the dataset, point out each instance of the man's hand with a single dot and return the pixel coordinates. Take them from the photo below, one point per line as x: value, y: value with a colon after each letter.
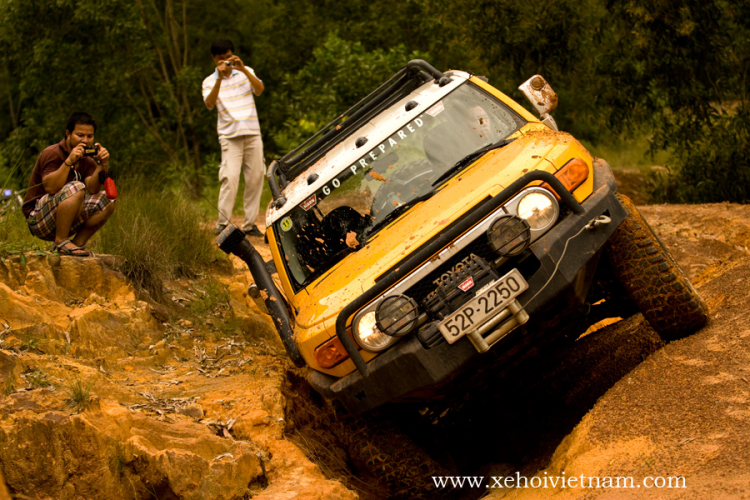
x: 76, y: 154
x: 257, y: 84
x: 221, y: 66
x: 92, y: 181
x: 103, y: 155
x: 55, y: 181
x: 237, y: 63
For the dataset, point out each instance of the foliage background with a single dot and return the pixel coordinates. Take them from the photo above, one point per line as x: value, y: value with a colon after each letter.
x: 676, y: 72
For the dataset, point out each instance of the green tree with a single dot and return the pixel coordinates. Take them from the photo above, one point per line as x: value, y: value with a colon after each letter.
x: 510, y: 41
x: 137, y: 67
x: 676, y: 68
x: 682, y: 67
x: 339, y: 74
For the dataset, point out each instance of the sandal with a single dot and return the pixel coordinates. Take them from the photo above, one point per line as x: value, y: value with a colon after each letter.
x: 72, y: 252
x: 86, y: 249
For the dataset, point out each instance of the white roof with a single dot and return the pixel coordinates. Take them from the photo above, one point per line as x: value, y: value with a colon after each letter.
x: 347, y: 153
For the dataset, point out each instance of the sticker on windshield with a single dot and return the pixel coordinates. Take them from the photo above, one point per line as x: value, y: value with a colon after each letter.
x: 436, y: 109
x: 286, y: 224
x: 309, y: 203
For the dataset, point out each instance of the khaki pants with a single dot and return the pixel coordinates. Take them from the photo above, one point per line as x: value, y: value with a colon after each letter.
x: 245, y: 154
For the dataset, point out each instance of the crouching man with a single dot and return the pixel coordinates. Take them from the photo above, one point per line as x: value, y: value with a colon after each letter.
x: 64, y: 202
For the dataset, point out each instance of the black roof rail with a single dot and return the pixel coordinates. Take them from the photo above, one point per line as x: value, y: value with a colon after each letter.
x: 296, y: 161
x: 419, y: 63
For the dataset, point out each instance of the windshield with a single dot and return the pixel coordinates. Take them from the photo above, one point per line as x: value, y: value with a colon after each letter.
x: 342, y: 215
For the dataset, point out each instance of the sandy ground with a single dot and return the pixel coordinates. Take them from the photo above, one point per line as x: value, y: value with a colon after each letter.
x: 684, y: 411
x: 618, y: 402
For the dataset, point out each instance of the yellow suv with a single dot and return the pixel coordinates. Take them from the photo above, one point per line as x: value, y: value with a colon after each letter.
x: 437, y: 220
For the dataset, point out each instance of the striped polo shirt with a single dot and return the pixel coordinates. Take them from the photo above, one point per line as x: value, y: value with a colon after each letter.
x: 235, y: 105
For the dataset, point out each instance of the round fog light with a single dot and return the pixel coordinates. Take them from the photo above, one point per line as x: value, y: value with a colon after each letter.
x: 538, y: 209
x: 509, y: 235
x: 396, y: 316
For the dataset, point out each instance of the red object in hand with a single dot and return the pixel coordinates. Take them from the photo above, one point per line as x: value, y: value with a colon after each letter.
x: 110, y: 189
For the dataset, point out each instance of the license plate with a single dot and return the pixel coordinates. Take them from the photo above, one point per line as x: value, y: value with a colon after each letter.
x: 489, y: 302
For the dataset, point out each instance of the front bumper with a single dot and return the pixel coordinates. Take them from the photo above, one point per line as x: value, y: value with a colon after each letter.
x: 408, y: 367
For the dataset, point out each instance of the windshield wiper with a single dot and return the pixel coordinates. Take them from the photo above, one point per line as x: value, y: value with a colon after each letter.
x: 466, y: 160
x: 399, y: 210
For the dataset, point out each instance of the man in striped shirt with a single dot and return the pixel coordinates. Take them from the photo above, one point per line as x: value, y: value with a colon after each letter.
x: 230, y: 89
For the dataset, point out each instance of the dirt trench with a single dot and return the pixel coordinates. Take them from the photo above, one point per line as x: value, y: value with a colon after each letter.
x: 540, y: 418
x: 504, y: 424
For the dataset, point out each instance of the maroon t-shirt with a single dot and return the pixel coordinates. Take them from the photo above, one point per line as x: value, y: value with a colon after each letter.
x: 48, y: 162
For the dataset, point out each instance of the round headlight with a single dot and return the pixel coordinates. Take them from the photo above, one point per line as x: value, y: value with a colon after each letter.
x: 509, y: 235
x: 538, y: 209
x: 369, y: 336
x: 396, y: 315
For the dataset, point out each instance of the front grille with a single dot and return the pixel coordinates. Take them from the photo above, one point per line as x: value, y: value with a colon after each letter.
x: 526, y: 263
x: 479, y: 247
x: 458, y: 287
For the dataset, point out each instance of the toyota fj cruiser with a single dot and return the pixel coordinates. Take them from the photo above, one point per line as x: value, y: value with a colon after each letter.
x: 438, y: 224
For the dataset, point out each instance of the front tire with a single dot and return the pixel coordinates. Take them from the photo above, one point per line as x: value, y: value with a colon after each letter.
x: 380, y: 449
x: 652, y: 279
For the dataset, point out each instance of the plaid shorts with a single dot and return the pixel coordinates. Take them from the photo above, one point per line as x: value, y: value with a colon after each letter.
x: 42, y: 219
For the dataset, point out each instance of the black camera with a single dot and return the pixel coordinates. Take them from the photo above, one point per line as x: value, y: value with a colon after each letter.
x: 90, y: 150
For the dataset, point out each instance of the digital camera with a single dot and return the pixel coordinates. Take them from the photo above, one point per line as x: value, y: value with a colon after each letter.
x: 90, y: 150
x: 229, y: 63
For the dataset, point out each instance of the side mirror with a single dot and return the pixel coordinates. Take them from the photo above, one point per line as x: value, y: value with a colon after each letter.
x: 542, y: 97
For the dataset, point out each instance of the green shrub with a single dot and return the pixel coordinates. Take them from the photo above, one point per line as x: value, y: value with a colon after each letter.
x: 338, y: 74
x: 118, y: 460
x: 79, y: 393
x: 160, y: 235
x: 628, y: 151
x: 715, y: 167
x: 15, y: 237
x: 37, y: 378
x: 30, y: 344
x: 213, y: 296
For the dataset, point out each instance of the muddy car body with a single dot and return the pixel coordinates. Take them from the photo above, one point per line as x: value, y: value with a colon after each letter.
x: 438, y: 225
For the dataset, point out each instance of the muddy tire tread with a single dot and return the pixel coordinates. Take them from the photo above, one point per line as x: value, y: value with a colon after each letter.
x: 652, y: 278
x: 391, y: 457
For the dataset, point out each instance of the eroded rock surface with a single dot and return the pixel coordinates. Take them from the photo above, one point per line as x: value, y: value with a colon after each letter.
x: 192, y: 407
x: 681, y: 415
x: 111, y: 452
x: 101, y: 396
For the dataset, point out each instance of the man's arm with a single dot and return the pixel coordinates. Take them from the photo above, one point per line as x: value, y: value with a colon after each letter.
x: 257, y: 84
x: 211, y: 98
x: 54, y: 181
x: 93, y: 185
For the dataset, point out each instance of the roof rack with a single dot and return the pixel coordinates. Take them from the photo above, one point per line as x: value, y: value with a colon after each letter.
x: 287, y: 168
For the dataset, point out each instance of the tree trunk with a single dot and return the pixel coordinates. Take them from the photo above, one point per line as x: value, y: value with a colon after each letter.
x: 166, y: 34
